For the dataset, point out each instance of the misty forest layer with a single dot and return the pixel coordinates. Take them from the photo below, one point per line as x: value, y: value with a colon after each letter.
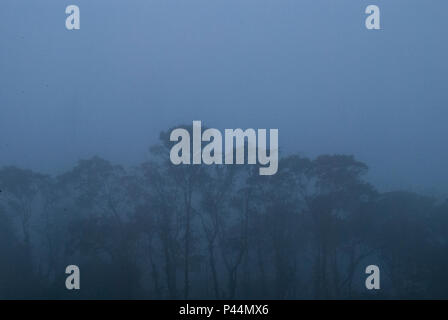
x: 162, y: 231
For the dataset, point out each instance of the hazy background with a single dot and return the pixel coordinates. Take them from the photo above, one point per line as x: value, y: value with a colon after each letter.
x: 309, y: 68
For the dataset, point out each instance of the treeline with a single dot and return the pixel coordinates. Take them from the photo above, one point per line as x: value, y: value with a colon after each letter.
x: 160, y: 231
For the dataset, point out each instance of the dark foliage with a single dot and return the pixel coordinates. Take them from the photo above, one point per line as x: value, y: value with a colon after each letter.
x: 163, y: 231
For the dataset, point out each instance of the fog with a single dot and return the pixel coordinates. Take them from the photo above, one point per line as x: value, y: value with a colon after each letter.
x: 308, y: 68
x: 103, y: 94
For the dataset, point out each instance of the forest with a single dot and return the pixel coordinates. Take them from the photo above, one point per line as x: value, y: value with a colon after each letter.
x: 161, y: 231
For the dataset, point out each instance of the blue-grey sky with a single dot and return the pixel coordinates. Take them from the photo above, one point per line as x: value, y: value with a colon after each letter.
x: 309, y: 68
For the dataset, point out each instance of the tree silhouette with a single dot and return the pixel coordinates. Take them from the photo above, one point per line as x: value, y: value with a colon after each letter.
x: 161, y: 231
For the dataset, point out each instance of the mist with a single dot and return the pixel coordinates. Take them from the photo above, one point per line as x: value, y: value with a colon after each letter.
x: 87, y: 177
x: 308, y: 68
